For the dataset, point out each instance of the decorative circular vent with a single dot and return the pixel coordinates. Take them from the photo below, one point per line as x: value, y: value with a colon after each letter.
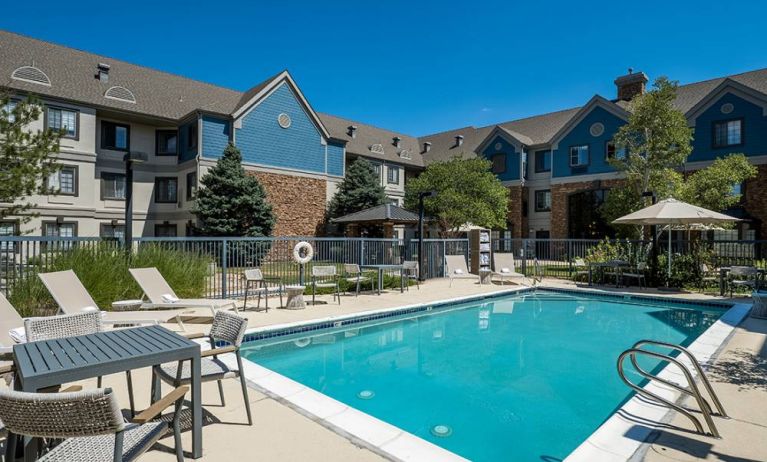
x: 284, y: 120
x: 377, y: 148
x: 31, y: 74
x: 498, y: 146
x: 120, y: 94
x: 596, y: 129
x: 405, y: 154
x: 727, y: 108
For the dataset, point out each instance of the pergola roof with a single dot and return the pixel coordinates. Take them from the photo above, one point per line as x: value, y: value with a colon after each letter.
x: 386, y: 213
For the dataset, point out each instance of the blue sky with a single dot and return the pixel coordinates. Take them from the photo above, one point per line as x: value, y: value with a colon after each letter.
x: 412, y: 66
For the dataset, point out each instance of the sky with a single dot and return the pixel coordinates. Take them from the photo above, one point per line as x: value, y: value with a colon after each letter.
x: 416, y: 67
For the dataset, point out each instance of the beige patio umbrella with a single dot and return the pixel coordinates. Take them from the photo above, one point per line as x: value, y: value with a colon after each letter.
x: 674, y: 213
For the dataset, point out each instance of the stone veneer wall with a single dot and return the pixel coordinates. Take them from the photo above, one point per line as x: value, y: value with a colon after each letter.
x: 559, y: 197
x: 755, y: 201
x: 516, y: 215
x: 299, y: 202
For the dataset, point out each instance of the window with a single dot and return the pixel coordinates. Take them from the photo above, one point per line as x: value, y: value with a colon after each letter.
x: 8, y: 110
x: 59, y: 229
x: 112, y: 186
x: 8, y: 228
x: 611, y: 152
x: 392, y: 175
x: 166, y: 143
x: 63, y: 181
x: 110, y: 231
x: 542, y: 161
x: 64, y: 120
x: 165, y: 230
x: 579, y: 155
x: 728, y: 133
x: 166, y: 190
x: 115, y: 136
x: 543, y: 201
x: 377, y: 170
x: 499, y: 163
x: 191, y: 186
x: 191, y: 141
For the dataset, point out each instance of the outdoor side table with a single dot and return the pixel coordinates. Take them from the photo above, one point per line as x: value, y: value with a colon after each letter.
x: 485, y: 276
x: 295, y: 297
x: 381, y: 269
x: 127, y: 305
x: 48, y: 363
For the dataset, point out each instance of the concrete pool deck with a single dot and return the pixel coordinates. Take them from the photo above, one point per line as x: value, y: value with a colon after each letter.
x: 281, y: 433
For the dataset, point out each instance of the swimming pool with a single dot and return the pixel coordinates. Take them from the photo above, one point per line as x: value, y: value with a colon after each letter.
x: 520, y: 377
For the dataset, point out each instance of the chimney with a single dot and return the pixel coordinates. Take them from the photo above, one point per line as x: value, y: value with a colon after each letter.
x: 631, y: 85
x: 459, y: 140
x: 427, y: 146
x: 396, y: 140
x: 102, y: 72
x: 353, y: 131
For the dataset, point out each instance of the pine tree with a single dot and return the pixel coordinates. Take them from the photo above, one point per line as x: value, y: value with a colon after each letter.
x: 360, y: 190
x: 232, y: 203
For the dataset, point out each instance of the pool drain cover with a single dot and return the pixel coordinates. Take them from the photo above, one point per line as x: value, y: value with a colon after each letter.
x: 366, y: 394
x: 442, y: 431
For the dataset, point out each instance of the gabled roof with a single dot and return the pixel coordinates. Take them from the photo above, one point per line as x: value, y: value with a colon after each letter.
x: 382, y: 213
x: 368, y: 135
x: 594, y: 102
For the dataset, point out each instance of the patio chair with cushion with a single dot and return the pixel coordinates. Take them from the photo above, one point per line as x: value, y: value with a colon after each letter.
x: 355, y: 276
x: 263, y: 285
x: 72, y: 297
x: 637, y: 273
x: 410, y: 271
x: 708, y: 276
x: 227, y: 327
x: 504, y: 268
x: 580, y: 270
x: 160, y: 295
x: 325, y: 277
x: 456, y: 268
x: 90, y: 422
x: 743, y: 276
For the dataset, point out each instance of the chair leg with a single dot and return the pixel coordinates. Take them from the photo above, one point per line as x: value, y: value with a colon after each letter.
x: 130, y: 394
x: 221, y: 392
x: 314, y: 290
x: 177, y: 431
x: 338, y: 293
x: 98, y: 382
x: 357, y: 293
x: 245, y: 303
x: 156, y: 386
x: 244, y: 389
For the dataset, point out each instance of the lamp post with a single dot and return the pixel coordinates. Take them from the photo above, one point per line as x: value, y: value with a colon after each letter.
x: 421, y: 197
x: 130, y: 159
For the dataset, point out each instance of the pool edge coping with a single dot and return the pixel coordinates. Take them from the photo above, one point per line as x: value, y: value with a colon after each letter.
x: 376, y: 435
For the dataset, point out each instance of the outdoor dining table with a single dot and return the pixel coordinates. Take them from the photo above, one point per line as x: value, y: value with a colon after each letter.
x: 381, y: 269
x: 48, y: 363
x: 614, y: 264
x: 761, y: 272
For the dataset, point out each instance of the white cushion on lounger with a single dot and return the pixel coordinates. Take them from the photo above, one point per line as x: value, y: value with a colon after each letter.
x: 18, y: 334
x: 458, y: 271
x: 168, y: 298
x: 505, y: 270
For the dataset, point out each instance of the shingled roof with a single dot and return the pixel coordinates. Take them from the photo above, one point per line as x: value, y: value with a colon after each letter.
x: 382, y: 213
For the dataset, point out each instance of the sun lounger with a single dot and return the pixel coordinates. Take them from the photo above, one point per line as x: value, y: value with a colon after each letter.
x: 72, y: 297
x: 159, y: 294
x: 455, y: 268
x: 11, y: 326
x: 504, y: 269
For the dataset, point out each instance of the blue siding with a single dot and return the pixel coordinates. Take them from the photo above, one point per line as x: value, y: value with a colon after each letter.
x: 184, y: 151
x: 262, y: 140
x: 754, y: 129
x: 512, y: 158
x: 215, y: 136
x: 579, y: 135
x: 336, y: 159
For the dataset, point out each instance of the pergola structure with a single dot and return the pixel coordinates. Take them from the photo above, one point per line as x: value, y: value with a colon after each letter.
x: 386, y: 216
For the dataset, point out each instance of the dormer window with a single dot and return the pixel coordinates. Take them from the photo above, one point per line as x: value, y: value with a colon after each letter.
x: 728, y: 133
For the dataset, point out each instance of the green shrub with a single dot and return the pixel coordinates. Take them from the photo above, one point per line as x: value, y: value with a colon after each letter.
x: 103, y: 270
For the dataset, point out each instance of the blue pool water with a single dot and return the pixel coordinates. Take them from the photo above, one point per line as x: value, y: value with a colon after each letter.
x: 523, y: 377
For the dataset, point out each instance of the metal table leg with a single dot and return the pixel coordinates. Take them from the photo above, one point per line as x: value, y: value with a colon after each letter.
x: 196, y: 408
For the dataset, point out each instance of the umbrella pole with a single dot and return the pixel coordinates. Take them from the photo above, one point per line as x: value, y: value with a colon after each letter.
x: 668, y: 279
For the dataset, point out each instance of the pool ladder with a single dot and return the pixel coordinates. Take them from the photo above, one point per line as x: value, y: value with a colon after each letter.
x: 691, y: 390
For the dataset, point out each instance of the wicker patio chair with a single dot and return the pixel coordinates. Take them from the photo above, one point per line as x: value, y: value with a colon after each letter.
x: 90, y: 422
x: 255, y: 277
x: 71, y: 325
x: 354, y: 275
x: 227, y: 327
x: 410, y: 271
x: 325, y: 276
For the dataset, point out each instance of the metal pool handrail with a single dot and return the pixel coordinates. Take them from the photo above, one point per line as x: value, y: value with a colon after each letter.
x: 704, y: 407
x: 698, y: 369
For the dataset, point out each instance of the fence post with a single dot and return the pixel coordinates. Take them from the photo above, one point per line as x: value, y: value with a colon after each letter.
x: 570, y: 258
x: 362, y: 251
x: 224, y: 264
x: 523, y: 254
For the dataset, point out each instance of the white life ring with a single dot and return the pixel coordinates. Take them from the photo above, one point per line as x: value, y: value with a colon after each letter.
x: 304, y: 248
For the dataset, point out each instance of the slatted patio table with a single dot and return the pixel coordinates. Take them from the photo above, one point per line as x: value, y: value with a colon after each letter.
x: 381, y: 269
x: 48, y: 363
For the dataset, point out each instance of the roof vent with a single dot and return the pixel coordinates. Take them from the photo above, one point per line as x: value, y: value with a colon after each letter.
x: 397, y: 140
x: 31, y: 74
x: 405, y: 154
x: 102, y: 72
x: 353, y: 131
x: 427, y: 146
x: 458, y: 140
x: 120, y: 94
x: 377, y: 148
